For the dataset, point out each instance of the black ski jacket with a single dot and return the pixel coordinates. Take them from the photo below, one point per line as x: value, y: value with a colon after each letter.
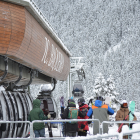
x: 68, y: 126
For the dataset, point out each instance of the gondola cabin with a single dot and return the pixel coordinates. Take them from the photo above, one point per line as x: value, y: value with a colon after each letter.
x: 78, y: 90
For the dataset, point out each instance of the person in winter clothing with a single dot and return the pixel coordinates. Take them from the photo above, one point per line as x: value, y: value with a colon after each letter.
x: 100, y: 111
x: 71, y: 128
x: 83, y: 109
x: 37, y: 114
x: 121, y: 115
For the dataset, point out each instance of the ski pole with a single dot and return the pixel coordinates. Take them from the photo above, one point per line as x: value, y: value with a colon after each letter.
x: 122, y: 123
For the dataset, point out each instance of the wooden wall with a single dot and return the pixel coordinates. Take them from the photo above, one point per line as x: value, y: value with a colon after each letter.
x: 25, y: 41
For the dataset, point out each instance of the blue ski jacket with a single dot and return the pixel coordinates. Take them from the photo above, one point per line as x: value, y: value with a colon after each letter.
x: 100, y: 112
x: 98, y: 103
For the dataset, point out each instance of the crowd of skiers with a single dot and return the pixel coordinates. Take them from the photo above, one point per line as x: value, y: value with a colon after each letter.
x: 99, y: 110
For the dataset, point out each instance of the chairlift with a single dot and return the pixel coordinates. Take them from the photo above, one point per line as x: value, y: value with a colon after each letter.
x: 78, y: 89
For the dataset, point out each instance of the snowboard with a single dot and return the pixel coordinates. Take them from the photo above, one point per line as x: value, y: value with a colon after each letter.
x: 132, y: 109
x: 107, y: 101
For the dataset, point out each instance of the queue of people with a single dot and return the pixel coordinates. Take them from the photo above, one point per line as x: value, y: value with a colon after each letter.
x: 99, y: 110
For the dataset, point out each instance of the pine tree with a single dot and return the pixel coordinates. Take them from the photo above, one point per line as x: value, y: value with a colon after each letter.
x: 106, y: 88
x: 111, y: 92
x: 99, y: 85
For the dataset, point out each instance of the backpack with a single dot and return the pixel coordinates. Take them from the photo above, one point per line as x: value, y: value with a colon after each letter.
x: 73, y: 114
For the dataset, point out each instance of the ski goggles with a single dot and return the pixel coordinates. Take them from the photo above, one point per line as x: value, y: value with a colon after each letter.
x: 125, y: 104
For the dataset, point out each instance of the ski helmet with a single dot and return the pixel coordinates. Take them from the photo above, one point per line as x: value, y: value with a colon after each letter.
x: 124, y: 103
x: 100, y: 98
x: 81, y: 100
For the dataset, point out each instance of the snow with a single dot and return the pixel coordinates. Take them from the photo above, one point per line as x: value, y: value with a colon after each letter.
x: 1, y: 88
x: 47, y: 87
x: 136, y: 135
x: 112, y: 131
x: 112, y: 50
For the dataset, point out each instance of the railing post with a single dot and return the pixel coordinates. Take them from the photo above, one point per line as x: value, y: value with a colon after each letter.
x: 31, y: 131
x: 102, y: 127
x: 120, y: 136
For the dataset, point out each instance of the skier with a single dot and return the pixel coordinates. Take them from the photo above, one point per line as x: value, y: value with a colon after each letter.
x: 83, y: 109
x: 100, y: 111
x: 121, y: 115
x: 37, y: 114
x: 71, y: 112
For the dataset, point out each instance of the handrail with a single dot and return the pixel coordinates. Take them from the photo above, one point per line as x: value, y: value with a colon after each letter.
x: 98, y: 136
x: 32, y: 133
x: 122, y: 133
x: 118, y: 122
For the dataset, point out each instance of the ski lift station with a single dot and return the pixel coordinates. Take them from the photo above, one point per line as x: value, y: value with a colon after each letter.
x: 30, y: 53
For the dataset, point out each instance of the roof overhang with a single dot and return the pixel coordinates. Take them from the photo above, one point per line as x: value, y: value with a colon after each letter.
x: 38, y: 15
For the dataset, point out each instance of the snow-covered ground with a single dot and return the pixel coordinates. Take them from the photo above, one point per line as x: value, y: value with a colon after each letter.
x: 112, y: 130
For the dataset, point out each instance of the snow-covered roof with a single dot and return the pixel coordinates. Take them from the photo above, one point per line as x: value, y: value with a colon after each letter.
x: 38, y: 15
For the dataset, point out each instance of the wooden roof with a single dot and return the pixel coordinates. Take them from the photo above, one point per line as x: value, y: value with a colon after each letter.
x: 30, y: 42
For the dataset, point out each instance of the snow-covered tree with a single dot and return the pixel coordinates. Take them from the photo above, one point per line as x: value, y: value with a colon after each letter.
x: 99, y: 85
x: 106, y: 88
x: 111, y: 92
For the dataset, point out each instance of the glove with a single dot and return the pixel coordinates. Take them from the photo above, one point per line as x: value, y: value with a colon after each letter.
x: 131, y: 124
x: 82, y: 126
x: 49, y: 116
x: 61, y: 115
x: 54, y: 115
x: 124, y: 120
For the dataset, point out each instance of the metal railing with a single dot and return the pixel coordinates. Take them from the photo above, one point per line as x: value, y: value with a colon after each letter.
x: 45, y: 121
x: 15, y: 122
x: 98, y: 136
x: 65, y: 120
x: 124, y: 122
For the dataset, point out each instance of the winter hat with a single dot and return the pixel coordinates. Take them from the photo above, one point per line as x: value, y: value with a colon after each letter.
x: 81, y: 100
x: 71, y: 101
x: 71, y: 97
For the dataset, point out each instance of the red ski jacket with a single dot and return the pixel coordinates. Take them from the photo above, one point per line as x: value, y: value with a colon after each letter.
x: 83, y: 115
